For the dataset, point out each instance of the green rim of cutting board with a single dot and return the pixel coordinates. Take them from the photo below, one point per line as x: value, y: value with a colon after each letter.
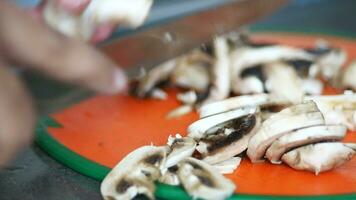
x: 98, y: 172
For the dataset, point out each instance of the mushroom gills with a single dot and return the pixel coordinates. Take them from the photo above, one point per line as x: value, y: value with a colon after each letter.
x: 180, y: 148
x: 201, y: 180
x: 199, y: 129
x: 135, y: 174
x: 229, y: 140
x: 303, y: 137
x: 319, y: 157
x: 279, y: 124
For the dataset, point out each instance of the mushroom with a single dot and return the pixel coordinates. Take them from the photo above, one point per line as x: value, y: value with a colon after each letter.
x: 279, y: 124
x: 83, y: 26
x: 155, y: 76
x: 229, y: 139
x: 319, y: 157
x: 201, y: 180
x: 228, y: 166
x: 330, y: 63
x: 180, y: 148
x: 303, y: 137
x: 246, y: 57
x: 220, y: 88
x: 283, y: 81
x: 263, y: 100
x: 312, y: 86
x: 199, y: 129
x: 135, y: 174
x: 170, y: 177
x: 337, y: 109
x: 189, y: 97
x: 180, y: 111
x: 192, y: 71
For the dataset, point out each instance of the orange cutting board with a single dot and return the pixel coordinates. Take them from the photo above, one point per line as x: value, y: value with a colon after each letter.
x: 104, y: 129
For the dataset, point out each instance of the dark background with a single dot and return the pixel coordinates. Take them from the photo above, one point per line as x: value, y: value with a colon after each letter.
x: 34, y: 175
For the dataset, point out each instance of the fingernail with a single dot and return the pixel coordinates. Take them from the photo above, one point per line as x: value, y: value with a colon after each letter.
x: 102, y: 32
x: 120, y: 81
x: 73, y: 6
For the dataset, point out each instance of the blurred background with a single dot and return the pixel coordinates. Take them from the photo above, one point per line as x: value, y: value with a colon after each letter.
x: 34, y: 175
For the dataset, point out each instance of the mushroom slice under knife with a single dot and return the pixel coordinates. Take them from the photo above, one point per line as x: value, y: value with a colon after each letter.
x: 320, y: 157
x: 279, y: 124
x: 198, y: 129
x: 243, y: 58
x: 192, y: 71
x: 220, y: 88
x: 303, y: 137
x: 337, y: 109
x: 155, y: 76
x: 135, y: 174
x: 201, y: 180
x: 229, y: 140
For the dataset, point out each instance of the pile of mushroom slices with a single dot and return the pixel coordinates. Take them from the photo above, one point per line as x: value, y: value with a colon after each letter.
x: 135, y: 175
x: 233, y: 64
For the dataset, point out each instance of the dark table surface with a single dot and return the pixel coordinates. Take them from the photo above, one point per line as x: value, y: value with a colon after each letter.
x: 34, y: 175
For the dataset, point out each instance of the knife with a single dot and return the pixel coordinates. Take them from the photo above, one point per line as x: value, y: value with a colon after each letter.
x: 159, y: 42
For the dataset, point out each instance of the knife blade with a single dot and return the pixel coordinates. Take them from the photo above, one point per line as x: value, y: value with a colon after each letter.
x: 159, y: 43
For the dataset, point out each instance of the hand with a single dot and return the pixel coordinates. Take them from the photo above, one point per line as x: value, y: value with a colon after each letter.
x: 29, y: 43
x: 103, y: 31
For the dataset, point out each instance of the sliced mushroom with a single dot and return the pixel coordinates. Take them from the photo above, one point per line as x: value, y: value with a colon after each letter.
x: 331, y: 62
x: 263, y: 100
x: 229, y: 140
x: 283, y: 81
x: 199, y: 129
x: 201, y: 180
x: 246, y: 57
x: 337, y: 109
x: 303, y: 137
x: 158, y: 94
x: 319, y: 157
x: 312, y: 86
x: 220, y: 88
x: 190, y: 97
x: 192, y: 71
x: 135, y: 174
x: 251, y: 85
x: 180, y: 148
x: 180, y: 111
x: 83, y: 26
x: 228, y: 166
x: 170, y: 176
x: 348, y: 79
x: 289, y: 119
x: 158, y: 74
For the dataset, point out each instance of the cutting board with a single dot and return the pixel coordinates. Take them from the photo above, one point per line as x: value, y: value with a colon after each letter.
x: 94, y: 135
